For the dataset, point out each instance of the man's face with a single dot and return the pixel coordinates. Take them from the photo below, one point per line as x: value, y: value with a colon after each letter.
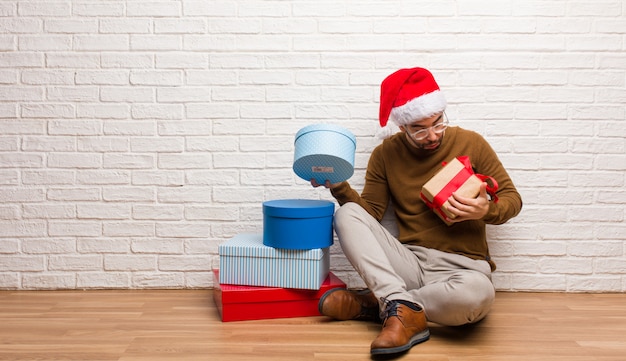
x: 426, y: 134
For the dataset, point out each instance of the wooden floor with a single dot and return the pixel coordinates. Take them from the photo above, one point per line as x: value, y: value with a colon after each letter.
x: 184, y: 325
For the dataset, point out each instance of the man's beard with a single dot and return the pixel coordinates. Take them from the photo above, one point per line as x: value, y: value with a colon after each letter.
x: 431, y: 146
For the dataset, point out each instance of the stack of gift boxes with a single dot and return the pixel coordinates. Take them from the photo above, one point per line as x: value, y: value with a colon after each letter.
x: 285, y: 271
x: 282, y: 272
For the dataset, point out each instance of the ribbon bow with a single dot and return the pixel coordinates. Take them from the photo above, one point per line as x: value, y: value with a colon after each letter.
x: 458, y: 180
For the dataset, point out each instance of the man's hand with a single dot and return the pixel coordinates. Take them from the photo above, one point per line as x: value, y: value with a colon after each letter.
x: 326, y: 184
x: 469, y: 208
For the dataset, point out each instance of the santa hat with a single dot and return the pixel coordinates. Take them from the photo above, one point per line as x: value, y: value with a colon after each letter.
x: 406, y: 96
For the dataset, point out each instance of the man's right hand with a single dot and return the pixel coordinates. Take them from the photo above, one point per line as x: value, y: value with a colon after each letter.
x: 326, y: 184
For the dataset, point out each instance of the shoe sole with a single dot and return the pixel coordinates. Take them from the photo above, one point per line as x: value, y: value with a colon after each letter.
x: 417, y: 339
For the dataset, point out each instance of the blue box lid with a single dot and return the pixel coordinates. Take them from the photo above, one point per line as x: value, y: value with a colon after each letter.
x: 298, y: 208
x: 250, y: 245
x: 324, y: 152
x: 327, y: 127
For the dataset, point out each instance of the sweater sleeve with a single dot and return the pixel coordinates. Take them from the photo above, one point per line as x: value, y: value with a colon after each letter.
x: 375, y: 195
x: 509, y: 202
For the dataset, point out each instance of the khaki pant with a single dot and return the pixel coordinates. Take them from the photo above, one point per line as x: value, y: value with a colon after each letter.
x: 452, y: 289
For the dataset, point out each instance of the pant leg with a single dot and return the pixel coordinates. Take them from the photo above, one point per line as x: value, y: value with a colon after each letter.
x: 452, y: 289
x: 457, y: 290
x: 386, y: 266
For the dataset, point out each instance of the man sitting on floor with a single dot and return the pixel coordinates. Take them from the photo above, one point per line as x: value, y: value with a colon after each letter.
x: 432, y: 271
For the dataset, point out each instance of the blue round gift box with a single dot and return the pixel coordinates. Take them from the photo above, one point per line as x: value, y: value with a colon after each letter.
x: 324, y: 152
x: 298, y: 223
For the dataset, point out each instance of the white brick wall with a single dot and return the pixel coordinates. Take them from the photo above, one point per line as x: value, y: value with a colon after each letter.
x: 135, y: 136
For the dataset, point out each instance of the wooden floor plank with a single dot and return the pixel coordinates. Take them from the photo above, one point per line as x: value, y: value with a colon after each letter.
x: 160, y: 325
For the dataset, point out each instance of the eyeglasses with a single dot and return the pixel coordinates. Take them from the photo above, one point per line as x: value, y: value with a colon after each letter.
x: 437, y: 129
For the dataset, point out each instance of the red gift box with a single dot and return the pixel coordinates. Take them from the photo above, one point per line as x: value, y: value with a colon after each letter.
x: 238, y: 303
x: 456, y: 176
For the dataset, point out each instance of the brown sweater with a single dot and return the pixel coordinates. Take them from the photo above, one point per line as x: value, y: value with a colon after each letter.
x: 397, y: 171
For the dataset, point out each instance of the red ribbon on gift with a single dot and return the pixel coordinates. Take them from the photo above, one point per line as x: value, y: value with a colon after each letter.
x: 457, y: 181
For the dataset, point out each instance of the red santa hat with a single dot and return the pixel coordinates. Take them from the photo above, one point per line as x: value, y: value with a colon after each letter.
x: 407, y: 96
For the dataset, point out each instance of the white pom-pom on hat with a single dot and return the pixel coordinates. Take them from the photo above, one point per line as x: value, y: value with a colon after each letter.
x: 387, y: 131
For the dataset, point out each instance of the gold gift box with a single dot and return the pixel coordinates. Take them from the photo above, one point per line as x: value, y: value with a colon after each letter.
x: 443, y: 182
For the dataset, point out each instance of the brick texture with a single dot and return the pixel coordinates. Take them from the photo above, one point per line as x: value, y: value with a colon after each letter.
x: 136, y: 136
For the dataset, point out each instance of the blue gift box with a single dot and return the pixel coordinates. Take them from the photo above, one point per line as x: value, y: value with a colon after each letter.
x: 298, y: 223
x: 245, y: 260
x: 324, y: 152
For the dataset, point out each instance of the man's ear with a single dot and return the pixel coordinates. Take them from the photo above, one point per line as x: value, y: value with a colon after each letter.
x: 402, y: 128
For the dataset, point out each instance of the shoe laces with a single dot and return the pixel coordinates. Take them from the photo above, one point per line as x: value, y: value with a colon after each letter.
x: 392, y: 307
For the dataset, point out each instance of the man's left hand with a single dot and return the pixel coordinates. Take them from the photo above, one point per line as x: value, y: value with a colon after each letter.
x: 467, y: 209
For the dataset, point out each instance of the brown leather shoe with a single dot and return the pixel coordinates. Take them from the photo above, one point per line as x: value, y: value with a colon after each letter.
x: 405, y: 326
x: 342, y: 304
